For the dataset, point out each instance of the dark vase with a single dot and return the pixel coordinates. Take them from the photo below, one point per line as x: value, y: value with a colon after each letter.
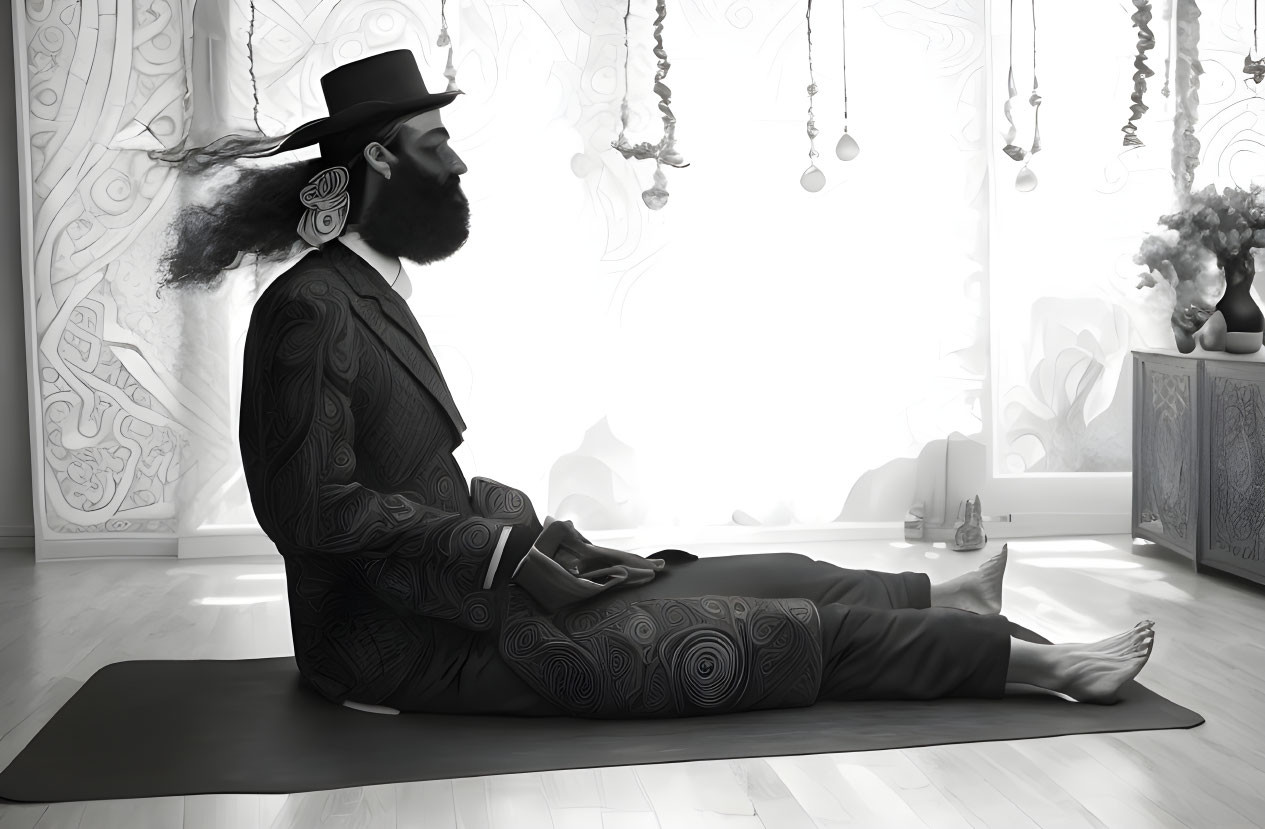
x: 1244, y: 321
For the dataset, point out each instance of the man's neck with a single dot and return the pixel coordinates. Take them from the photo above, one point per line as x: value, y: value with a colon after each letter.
x: 390, y: 267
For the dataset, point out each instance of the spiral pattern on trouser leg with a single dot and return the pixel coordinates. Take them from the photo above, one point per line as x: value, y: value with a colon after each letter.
x: 522, y: 640
x: 666, y: 657
x: 706, y: 669
x: 570, y: 673
x: 641, y: 628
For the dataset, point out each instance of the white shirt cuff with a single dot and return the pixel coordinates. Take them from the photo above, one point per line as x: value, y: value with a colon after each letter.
x: 496, y: 558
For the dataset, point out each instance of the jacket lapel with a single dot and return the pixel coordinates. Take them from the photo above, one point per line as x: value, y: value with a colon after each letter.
x: 380, y: 309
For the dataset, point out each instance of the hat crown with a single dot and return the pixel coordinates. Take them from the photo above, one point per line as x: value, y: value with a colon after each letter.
x: 356, y: 93
x: 390, y: 77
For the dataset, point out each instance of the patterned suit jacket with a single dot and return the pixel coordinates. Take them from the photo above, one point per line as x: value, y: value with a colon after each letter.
x: 347, y: 430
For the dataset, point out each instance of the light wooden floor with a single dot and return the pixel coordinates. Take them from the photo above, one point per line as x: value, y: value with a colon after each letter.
x: 61, y: 621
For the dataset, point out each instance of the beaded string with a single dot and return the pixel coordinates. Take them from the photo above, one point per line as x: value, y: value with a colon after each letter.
x: 813, y: 179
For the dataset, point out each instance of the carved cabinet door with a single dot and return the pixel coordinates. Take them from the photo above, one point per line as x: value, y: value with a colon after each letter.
x: 1234, y: 467
x: 1165, y: 447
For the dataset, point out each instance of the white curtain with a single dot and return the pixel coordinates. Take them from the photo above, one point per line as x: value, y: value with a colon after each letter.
x: 752, y: 352
x: 752, y: 347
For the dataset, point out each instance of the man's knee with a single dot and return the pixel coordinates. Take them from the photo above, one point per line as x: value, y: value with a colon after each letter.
x: 794, y: 559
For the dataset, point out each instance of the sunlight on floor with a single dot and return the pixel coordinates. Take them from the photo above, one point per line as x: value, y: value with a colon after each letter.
x: 1051, y: 611
x: 221, y: 601
x: 1155, y: 587
x: 1080, y: 563
x: 1061, y: 545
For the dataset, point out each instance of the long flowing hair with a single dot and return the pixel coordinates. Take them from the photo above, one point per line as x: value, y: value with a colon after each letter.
x: 254, y: 210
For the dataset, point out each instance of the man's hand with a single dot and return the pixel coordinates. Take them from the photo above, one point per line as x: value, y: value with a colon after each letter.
x: 552, y: 587
x: 563, y: 567
x: 562, y: 542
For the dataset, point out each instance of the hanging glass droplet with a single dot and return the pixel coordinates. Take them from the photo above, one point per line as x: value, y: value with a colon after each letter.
x: 813, y: 179
x: 657, y: 196
x: 443, y: 39
x: 847, y: 148
x: 1026, y: 181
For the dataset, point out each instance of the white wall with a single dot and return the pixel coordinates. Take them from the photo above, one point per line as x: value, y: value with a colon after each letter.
x: 16, y: 516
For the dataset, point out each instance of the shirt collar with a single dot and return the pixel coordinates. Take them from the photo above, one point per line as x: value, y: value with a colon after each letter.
x: 390, y: 267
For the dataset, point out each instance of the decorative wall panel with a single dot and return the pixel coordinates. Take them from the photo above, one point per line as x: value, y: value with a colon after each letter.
x: 105, y: 82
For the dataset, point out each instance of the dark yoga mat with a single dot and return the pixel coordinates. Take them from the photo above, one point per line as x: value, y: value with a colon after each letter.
x: 156, y: 728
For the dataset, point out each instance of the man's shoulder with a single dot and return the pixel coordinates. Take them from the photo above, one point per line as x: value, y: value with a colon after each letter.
x: 315, y: 275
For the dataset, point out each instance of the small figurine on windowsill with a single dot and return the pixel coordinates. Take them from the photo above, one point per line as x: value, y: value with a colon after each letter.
x: 970, y: 533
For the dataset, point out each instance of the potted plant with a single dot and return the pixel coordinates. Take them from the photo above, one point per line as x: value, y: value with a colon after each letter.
x: 1204, y: 253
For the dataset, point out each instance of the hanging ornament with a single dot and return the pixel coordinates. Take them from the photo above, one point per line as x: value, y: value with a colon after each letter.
x: 664, y: 152
x: 1015, y: 152
x: 657, y: 196
x: 1035, y: 98
x: 443, y: 40
x: 1254, y: 69
x: 1026, y: 181
x: 1186, y: 72
x: 1166, y: 91
x: 813, y: 179
x: 1146, y: 42
x: 847, y: 148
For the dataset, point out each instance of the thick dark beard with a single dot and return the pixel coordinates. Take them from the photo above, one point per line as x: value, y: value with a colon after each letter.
x: 416, y: 218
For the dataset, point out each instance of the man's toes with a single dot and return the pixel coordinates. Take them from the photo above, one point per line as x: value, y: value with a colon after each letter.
x: 997, y: 563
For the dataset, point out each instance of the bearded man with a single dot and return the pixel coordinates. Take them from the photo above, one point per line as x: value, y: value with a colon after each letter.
x: 410, y: 589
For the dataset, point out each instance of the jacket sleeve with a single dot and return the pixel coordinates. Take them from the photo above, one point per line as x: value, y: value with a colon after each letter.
x: 492, y: 499
x: 304, y: 487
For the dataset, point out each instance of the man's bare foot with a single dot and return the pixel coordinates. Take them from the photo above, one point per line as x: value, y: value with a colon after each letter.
x: 978, y: 591
x: 1095, y: 672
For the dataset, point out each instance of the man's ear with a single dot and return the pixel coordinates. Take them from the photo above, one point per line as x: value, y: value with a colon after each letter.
x: 379, y: 158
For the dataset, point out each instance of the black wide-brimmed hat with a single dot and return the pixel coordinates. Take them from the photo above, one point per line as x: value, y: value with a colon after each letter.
x: 367, y: 89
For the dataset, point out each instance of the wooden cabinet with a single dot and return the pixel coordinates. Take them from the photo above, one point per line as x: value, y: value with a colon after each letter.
x: 1166, y: 451
x: 1199, y: 458
x: 1233, y: 454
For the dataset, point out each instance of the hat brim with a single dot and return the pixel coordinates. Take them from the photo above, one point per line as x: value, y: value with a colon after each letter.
x: 313, y: 131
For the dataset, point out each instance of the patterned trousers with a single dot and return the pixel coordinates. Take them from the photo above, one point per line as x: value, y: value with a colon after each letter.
x: 880, y: 637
